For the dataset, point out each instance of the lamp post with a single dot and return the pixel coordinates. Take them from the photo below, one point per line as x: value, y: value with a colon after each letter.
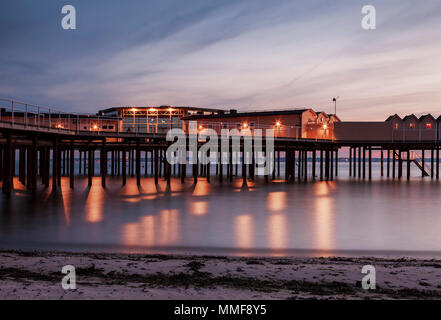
x: 335, y: 105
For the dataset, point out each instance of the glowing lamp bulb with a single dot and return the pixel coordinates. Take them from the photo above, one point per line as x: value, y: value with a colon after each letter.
x: 278, y: 123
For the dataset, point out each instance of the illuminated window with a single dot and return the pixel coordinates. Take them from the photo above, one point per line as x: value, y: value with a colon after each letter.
x: 412, y: 125
x: 395, y: 126
x: 428, y: 126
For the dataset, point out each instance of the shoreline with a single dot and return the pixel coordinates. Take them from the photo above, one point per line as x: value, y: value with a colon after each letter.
x: 37, y: 275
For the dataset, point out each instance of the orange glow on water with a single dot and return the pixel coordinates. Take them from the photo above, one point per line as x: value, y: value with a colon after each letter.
x: 131, y: 234
x: 277, y: 231
x: 199, y: 208
x: 276, y: 201
x: 148, y: 231
x: 324, y: 220
x: 244, y: 231
x: 94, y: 204
x: 66, y: 195
x: 169, y: 226
x: 202, y: 188
x: 130, y: 193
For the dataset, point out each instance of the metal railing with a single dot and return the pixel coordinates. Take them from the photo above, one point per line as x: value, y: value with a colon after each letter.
x: 279, y: 130
x: 414, y: 157
x: 17, y: 114
x: 21, y: 115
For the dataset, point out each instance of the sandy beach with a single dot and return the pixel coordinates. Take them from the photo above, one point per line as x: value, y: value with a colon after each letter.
x: 37, y: 275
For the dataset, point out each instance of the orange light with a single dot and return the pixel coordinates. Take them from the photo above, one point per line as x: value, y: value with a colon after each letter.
x: 133, y: 110
x: 245, y: 125
x: 428, y: 125
x: 278, y: 123
x: 95, y: 127
x: 59, y: 126
x: 325, y: 126
x: 170, y: 109
x: 200, y: 127
x: 152, y: 110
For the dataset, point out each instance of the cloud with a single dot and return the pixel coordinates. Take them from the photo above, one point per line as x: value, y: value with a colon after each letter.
x: 247, y: 54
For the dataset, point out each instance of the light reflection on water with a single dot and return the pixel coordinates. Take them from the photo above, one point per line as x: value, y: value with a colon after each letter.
x: 322, y: 218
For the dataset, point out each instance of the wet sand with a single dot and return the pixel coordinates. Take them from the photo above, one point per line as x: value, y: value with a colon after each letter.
x: 37, y: 275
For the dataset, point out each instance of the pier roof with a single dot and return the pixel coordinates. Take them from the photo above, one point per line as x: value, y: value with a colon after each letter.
x: 235, y: 114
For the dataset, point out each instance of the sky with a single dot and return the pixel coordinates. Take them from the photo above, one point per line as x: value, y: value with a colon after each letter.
x: 241, y: 54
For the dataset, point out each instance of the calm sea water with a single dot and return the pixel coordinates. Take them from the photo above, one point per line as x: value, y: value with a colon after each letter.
x: 344, y: 217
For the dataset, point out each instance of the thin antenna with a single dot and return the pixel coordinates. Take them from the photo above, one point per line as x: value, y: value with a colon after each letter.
x: 335, y: 104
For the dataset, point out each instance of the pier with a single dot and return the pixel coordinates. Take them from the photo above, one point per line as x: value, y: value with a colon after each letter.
x: 47, y: 151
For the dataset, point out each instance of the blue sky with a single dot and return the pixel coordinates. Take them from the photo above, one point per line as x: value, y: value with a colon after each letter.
x: 244, y: 54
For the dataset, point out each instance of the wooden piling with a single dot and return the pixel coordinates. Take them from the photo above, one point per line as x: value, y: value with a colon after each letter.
x: 54, y: 164
x: 431, y: 163
x: 124, y: 167
x: 331, y: 165
x: 350, y: 161
x: 437, y: 162
x: 321, y: 165
x: 91, y: 160
x: 22, y: 165
x: 388, y: 163
x: 278, y: 163
x: 1, y: 163
x: 393, y: 163
x: 364, y: 162
x: 138, y: 164
x: 72, y: 165
x: 370, y: 163
x: 7, y: 166
x: 305, y: 162
x: 28, y: 168
x: 103, y: 159
x: 382, y: 162
x: 244, y: 168
x: 208, y: 165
